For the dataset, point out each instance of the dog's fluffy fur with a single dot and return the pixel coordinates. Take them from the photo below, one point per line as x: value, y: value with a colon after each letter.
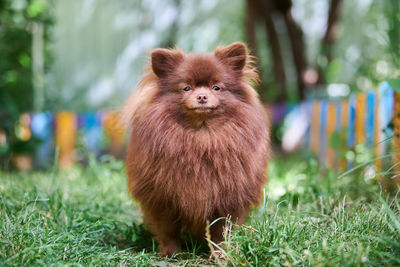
x: 199, y: 143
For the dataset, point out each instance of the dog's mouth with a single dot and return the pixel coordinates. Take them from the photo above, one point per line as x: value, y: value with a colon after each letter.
x: 199, y: 114
x: 203, y: 109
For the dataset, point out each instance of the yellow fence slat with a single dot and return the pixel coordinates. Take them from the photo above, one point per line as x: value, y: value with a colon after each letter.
x: 360, y: 118
x: 330, y: 129
x: 315, y: 127
x: 116, y: 132
x: 65, y: 134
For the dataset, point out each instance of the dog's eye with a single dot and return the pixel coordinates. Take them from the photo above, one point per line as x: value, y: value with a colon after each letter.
x: 216, y: 88
x: 187, y: 88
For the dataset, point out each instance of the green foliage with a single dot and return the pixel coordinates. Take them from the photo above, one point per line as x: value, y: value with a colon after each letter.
x: 333, y: 70
x: 86, y: 217
x: 368, y: 43
x: 15, y: 50
x: 16, y: 86
x: 395, y: 84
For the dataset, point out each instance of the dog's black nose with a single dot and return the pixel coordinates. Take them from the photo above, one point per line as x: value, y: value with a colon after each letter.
x: 202, y: 98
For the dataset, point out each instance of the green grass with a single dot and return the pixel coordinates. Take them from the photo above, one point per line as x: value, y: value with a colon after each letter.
x: 84, y: 216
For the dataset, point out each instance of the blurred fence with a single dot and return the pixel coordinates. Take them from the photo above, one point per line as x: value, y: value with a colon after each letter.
x: 75, y: 135
x: 329, y: 128
x: 332, y: 128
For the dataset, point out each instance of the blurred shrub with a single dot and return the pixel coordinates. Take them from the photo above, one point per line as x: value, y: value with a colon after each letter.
x: 16, y: 81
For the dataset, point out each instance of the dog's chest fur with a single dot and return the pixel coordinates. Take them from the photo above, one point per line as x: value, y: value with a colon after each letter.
x: 197, y: 173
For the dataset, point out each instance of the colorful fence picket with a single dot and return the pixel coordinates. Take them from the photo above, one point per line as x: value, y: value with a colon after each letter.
x: 335, y: 126
x: 328, y: 128
x: 95, y: 132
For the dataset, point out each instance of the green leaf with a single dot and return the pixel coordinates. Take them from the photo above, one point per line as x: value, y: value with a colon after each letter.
x: 395, y: 84
x: 36, y: 8
x: 333, y: 71
x: 11, y: 76
x: 24, y: 60
x: 336, y: 140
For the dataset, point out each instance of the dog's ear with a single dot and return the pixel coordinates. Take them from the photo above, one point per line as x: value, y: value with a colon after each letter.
x: 233, y: 55
x: 165, y: 60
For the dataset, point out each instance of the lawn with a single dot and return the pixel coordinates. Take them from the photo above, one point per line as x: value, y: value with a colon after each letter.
x: 309, y: 217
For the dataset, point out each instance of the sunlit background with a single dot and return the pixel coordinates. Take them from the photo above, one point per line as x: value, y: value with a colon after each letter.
x: 86, y: 56
x: 330, y: 82
x: 95, y: 49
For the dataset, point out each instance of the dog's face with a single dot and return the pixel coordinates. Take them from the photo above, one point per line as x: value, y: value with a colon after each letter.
x: 201, y: 86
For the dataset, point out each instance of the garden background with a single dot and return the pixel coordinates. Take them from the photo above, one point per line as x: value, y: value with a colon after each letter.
x: 329, y: 78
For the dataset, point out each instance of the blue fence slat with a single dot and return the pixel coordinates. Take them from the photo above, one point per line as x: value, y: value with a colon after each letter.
x: 90, y: 123
x: 42, y: 129
x: 370, y: 120
x: 308, y: 110
x: 351, y: 124
x: 322, y: 136
x: 387, y: 105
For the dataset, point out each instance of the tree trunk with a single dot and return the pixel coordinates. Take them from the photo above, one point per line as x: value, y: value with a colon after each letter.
x: 264, y: 9
x: 331, y: 29
x: 251, y: 19
x: 250, y: 27
x: 298, y: 50
x: 329, y: 36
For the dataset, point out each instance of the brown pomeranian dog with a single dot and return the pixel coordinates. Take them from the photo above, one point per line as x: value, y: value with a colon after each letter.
x: 199, y: 143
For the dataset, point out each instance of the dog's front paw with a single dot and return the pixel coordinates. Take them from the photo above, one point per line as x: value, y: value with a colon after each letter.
x: 170, y: 248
